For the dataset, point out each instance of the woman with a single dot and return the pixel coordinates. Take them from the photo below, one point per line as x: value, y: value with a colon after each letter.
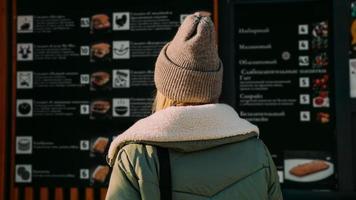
x: 214, y: 154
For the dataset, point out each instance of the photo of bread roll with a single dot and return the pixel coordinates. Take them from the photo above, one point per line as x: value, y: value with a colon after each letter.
x: 100, y: 173
x: 100, y: 145
x: 309, y: 168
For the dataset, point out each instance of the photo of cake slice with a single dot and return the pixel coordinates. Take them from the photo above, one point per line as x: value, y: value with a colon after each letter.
x: 100, y: 144
x: 100, y: 173
x: 309, y: 168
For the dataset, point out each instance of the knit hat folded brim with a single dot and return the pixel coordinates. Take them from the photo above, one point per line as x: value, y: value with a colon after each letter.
x: 186, y: 85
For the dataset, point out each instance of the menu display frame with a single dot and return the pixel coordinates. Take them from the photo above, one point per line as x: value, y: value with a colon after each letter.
x: 343, y: 108
x: 346, y: 141
x: 27, y: 141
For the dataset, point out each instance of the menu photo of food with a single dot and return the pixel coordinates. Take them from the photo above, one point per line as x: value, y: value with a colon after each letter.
x: 100, y: 175
x: 320, y: 35
x: 100, y: 81
x: 323, y: 117
x: 100, y: 109
x: 321, y: 92
x: 353, y: 35
x: 353, y: 78
x: 100, y: 145
x: 100, y: 23
x: 353, y: 8
x: 321, y: 60
x: 314, y: 167
x: 307, y: 170
x: 100, y: 51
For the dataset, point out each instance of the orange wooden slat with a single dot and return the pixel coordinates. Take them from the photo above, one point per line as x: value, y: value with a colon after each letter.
x: 74, y: 195
x: 44, y: 193
x: 216, y: 16
x: 28, y: 193
x: 58, y: 194
x: 103, y: 192
x: 89, y: 194
x: 14, y: 193
x: 3, y: 92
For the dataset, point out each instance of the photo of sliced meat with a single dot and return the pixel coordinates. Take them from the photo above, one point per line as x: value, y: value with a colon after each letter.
x: 309, y: 168
x: 100, y: 173
x: 100, y: 145
x: 99, y: 22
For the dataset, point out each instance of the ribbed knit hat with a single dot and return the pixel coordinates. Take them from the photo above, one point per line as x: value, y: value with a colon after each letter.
x: 188, y: 69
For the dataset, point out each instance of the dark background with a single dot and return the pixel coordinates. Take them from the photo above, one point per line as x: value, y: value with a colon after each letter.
x: 341, y: 142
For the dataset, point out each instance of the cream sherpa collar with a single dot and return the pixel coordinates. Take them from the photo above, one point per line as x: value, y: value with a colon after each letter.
x: 184, y: 123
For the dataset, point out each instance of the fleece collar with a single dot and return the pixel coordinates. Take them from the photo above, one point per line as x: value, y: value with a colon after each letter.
x: 210, y: 122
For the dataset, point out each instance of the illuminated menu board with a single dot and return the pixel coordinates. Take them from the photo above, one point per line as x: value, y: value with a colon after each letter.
x: 83, y: 76
x: 284, y: 78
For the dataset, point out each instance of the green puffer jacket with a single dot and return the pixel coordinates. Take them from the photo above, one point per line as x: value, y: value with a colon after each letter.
x: 214, y: 155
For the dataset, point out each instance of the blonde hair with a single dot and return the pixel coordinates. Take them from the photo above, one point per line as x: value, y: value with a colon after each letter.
x: 161, y: 102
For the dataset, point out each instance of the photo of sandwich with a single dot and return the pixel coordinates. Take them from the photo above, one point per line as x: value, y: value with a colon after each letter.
x: 100, y: 22
x: 99, y: 80
x: 100, y: 144
x: 100, y: 51
x: 100, y: 109
x: 307, y: 170
x: 100, y: 174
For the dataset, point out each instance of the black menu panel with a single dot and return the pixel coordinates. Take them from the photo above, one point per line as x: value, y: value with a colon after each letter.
x: 353, y: 50
x: 84, y: 75
x: 284, y: 78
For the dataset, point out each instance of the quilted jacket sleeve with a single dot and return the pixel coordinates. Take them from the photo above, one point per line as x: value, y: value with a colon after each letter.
x: 274, y: 188
x: 135, y: 174
x: 123, y: 184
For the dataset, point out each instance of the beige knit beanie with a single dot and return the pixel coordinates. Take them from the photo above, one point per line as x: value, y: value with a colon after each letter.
x: 188, y: 69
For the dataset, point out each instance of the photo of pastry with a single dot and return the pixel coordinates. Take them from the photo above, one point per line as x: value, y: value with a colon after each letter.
x: 100, y: 81
x: 307, y: 170
x: 100, y: 52
x: 100, y: 144
x: 323, y: 117
x: 100, y: 22
x: 99, y: 109
x: 100, y: 174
